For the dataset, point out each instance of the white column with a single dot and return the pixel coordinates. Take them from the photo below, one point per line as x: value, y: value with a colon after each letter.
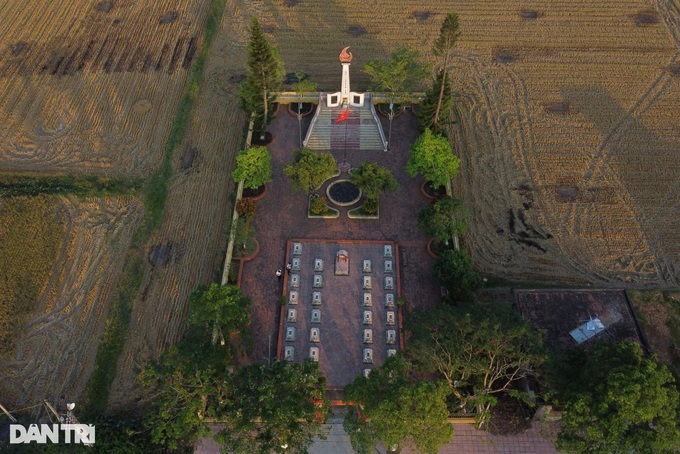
x: 344, y: 90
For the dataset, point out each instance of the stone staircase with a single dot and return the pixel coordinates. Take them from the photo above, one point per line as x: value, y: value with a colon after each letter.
x: 360, y: 131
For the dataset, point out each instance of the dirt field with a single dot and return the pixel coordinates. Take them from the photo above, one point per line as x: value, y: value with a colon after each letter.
x: 92, y: 86
x: 56, y: 348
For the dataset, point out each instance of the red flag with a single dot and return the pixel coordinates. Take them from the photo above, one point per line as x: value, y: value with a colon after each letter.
x: 343, y: 116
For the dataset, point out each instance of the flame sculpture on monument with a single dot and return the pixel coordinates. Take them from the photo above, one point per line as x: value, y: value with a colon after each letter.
x: 345, y: 97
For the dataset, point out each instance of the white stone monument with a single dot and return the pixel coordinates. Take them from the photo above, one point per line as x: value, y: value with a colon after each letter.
x: 345, y: 97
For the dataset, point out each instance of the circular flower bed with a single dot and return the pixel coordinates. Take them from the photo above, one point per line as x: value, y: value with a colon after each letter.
x: 343, y: 193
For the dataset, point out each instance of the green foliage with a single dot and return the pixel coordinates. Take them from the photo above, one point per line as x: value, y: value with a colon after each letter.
x: 438, y: 103
x: 31, y: 232
x: 183, y: 392
x: 80, y: 186
x: 265, y: 74
x: 448, y: 34
x: 443, y: 219
x: 303, y: 85
x: 453, y: 269
x: 392, y: 407
x: 317, y: 205
x: 399, y: 75
x: 124, y: 434
x: 370, y: 206
x: 480, y: 354
x: 245, y: 243
x: 432, y: 157
x: 253, y: 167
x: 278, y: 409
x: 310, y: 169
x: 373, y: 180
x: 220, y: 309
x: 617, y: 400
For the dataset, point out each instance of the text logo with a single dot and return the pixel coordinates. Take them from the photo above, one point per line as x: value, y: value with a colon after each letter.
x: 41, y: 433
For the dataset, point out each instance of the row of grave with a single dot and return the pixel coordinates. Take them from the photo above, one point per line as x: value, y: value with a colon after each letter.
x: 367, y: 318
x: 318, y: 281
x: 314, y: 335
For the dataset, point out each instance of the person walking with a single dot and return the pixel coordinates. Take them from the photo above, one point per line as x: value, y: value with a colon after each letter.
x: 279, y: 273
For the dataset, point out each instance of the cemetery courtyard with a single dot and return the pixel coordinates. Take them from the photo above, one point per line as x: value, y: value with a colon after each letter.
x: 281, y: 215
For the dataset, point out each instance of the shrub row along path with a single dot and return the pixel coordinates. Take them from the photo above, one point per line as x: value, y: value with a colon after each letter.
x: 282, y: 214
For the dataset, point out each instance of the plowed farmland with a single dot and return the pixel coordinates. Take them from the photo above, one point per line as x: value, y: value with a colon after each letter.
x: 55, y: 348
x: 567, y: 123
x: 92, y: 86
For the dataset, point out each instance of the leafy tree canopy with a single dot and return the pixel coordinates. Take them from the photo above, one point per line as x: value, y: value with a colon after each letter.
x: 399, y: 75
x: 444, y: 218
x: 453, y: 269
x: 618, y: 400
x: 432, y: 157
x: 310, y: 169
x: 278, y: 409
x: 478, y: 353
x: 253, y: 167
x: 220, y: 309
x: 182, y: 392
x: 392, y: 407
x: 303, y: 85
x: 373, y: 180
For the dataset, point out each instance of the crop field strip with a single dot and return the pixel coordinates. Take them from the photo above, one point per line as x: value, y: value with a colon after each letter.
x: 56, y: 349
x: 196, y: 216
x: 59, y: 60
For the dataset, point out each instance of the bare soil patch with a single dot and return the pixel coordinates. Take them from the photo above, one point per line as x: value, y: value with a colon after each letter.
x: 557, y: 312
x: 659, y: 315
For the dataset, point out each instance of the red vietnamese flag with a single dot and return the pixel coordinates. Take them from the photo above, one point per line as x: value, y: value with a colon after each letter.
x: 343, y: 116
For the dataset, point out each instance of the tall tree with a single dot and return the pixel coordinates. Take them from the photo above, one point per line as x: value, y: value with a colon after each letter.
x: 448, y: 36
x: 302, y: 86
x: 617, y: 400
x: 265, y: 74
x: 432, y: 157
x: 444, y: 219
x: 373, y: 179
x: 310, y: 169
x: 278, y: 409
x: 398, y: 76
x: 480, y: 354
x: 219, y: 309
x: 435, y: 102
x: 253, y: 167
x: 392, y: 407
x: 181, y: 390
